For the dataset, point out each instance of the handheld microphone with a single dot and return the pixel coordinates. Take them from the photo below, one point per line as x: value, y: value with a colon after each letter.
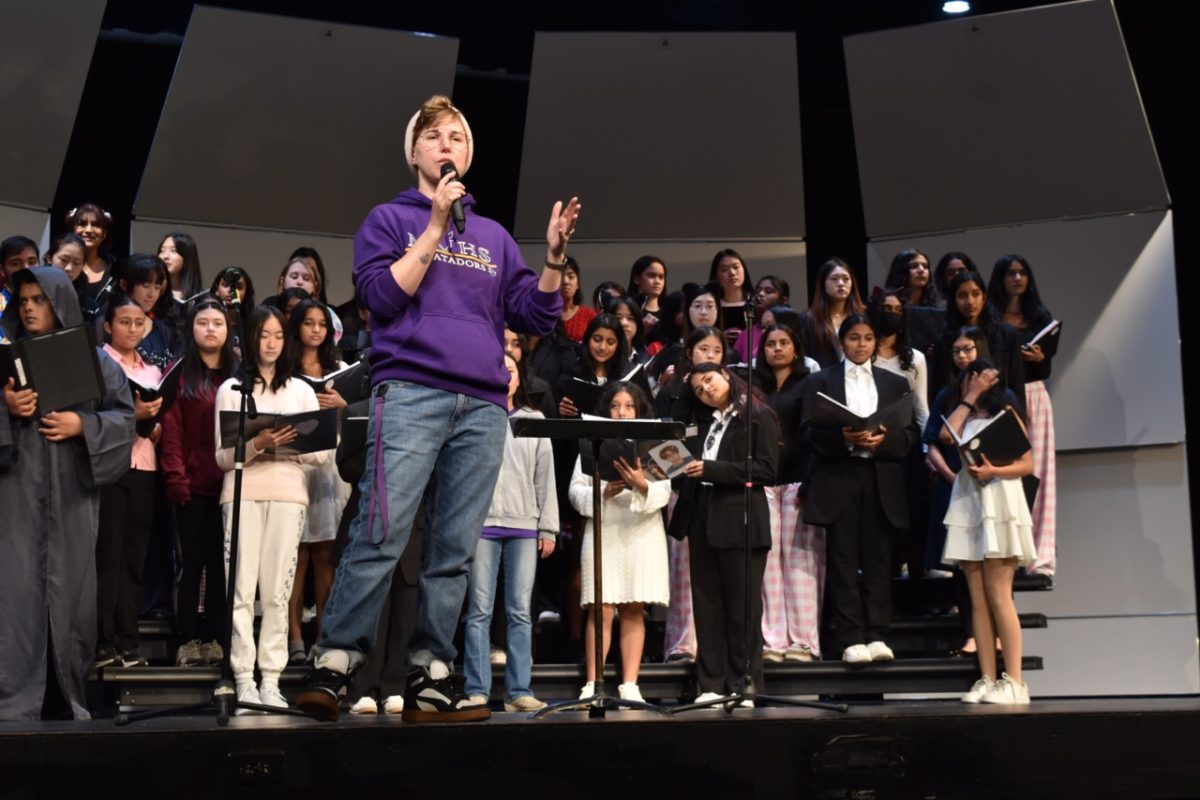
x: 456, y: 210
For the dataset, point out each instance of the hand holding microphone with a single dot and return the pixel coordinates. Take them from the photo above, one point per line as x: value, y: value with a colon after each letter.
x: 456, y: 209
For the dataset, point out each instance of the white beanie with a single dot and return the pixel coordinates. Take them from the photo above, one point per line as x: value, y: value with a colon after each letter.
x: 408, y: 140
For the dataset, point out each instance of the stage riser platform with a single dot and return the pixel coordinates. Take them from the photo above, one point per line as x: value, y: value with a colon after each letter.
x: 930, y: 750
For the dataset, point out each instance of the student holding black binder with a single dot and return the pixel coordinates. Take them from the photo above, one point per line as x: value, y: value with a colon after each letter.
x: 857, y: 491
x: 1013, y: 295
x: 127, y: 506
x: 52, y: 466
x: 273, y: 510
x: 990, y: 533
x: 315, y: 354
x: 605, y: 357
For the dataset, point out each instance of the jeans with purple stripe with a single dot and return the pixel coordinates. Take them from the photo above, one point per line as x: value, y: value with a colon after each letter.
x: 420, y: 441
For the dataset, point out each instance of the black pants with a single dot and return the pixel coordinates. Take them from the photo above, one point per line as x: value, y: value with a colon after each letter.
x: 719, y: 608
x: 126, y: 523
x: 861, y: 538
x: 202, y: 550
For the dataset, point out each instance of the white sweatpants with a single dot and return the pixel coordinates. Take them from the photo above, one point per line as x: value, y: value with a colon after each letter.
x: 268, y: 536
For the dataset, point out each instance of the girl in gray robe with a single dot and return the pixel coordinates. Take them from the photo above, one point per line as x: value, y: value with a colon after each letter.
x: 49, y: 512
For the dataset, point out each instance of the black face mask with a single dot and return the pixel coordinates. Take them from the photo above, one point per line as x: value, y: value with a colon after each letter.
x: 890, y: 323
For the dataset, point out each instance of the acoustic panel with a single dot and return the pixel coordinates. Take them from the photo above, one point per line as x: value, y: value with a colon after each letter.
x: 262, y: 254
x: 288, y: 124
x: 1117, y: 378
x: 25, y: 222
x: 48, y: 48
x: 685, y: 261
x: 999, y: 119
x: 665, y: 135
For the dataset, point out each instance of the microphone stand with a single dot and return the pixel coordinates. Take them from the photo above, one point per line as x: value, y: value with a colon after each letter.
x: 748, y: 691
x: 224, y: 696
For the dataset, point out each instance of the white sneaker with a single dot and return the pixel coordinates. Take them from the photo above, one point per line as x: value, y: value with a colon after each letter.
x: 1007, y: 692
x: 498, y: 657
x: 364, y: 705
x: 746, y: 704
x: 708, y: 697
x: 856, y: 654
x: 880, y: 652
x: 549, y: 616
x: 588, y: 690
x: 524, y: 703
x: 630, y: 691
x: 248, y: 694
x: 271, y: 696
x: 478, y: 699
x: 772, y: 656
x: 393, y: 704
x: 981, y: 687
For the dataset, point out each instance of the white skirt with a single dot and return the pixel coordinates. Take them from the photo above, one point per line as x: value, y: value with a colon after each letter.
x: 989, y: 521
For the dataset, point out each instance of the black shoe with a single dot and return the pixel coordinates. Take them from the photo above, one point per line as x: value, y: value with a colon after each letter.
x: 322, y: 695
x: 132, y: 658
x: 108, y: 657
x: 429, y: 699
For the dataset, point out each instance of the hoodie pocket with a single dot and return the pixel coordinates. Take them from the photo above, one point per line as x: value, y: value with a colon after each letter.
x: 466, y: 349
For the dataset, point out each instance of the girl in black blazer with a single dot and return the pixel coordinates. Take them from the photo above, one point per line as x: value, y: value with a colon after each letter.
x: 857, y: 492
x: 710, y: 513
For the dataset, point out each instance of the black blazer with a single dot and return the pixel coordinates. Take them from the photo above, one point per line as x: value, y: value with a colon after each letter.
x: 721, y: 518
x: 831, y: 459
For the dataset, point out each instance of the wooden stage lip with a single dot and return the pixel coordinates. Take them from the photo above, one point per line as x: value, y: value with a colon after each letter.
x: 1128, y: 747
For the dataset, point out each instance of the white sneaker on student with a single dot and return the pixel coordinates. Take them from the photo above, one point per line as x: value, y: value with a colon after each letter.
x: 364, y: 705
x: 981, y: 687
x: 525, y: 702
x: 856, y: 654
x: 393, y: 704
x: 880, y: 651
x: 271, y: 696
x: 630, y: 691
x: 1007, y: 692
x: 708, y: 697
x: 248, y: 693
x: 588, y: 690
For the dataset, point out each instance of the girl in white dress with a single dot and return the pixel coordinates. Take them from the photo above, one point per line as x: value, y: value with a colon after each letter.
x: 989, y: 533
x: 633, y: 548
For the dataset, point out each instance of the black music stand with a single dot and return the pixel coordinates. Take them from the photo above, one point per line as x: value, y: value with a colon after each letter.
x: 597, y: 430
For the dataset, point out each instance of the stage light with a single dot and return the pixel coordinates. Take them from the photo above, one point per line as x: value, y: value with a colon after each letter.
x: 956, y: 7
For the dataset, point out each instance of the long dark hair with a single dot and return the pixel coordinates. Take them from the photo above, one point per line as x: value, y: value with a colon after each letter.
x: 1031, y: 301
x: 638, y: 345
x: 197, y: 379
x: 247, y: 297
x: 327, y: 352
x: 284, y: 367
x: 820, y: 308
x: 737, y: 390
x: 993, y: 400
x: 669, y: 307
x: 875, y: 312
x: 641, y: 400
x: 898, y: 278
x: 618, y: 365
x: 953, y: 383
x: 521, y: 396
x: 118, y: 300
x: 684, y: 364
x: 635, y: 272
x: 939, y: 272
x: 190, y: 280
x: 747, y: 282
x: 765, y: 374
x: 141, y: 268
x: 954, y: 318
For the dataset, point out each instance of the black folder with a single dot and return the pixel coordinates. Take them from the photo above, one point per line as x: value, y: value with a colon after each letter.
x: 166, y: 388
x: 347, y: 381
x: 317, y: 430
x: 828, y: 412
x: 62, y: 366
x: 583, y: 394
x: 1002, y: 440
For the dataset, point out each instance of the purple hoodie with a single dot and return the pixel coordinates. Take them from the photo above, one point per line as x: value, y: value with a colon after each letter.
x: 450, y: 334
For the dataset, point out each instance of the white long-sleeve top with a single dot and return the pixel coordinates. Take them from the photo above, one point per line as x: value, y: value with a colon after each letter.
x: 267, y: 477
x: 918, y: 382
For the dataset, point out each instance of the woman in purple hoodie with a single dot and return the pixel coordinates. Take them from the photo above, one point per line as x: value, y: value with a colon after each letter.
x: 439, y: 297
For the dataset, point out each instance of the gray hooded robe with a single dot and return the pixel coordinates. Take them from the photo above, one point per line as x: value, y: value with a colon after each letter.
x: 49, y: 512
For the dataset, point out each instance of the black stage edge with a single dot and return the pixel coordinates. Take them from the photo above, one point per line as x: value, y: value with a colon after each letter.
x: 1100, y: 748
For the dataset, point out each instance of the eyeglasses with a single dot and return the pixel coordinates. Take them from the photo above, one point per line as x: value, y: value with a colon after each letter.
x: 962, y: 351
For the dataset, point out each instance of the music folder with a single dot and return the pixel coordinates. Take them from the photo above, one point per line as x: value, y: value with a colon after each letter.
x: 1002, y: 440
x: 346, y: 381
x: 62, y: 366
x: 828, y: 412
x: 316, y: 430
x: 166, y: 388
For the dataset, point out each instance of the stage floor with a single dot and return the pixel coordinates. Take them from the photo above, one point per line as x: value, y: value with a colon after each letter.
x: 1118, y: 747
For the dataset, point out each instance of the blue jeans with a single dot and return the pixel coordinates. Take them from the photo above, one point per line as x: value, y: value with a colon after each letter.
x: 426, y: 442
x: 520, y: 564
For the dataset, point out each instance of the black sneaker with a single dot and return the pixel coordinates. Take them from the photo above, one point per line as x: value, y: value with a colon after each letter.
x: 429, y: 699
x: 322, y: 694
x: 108, y: 657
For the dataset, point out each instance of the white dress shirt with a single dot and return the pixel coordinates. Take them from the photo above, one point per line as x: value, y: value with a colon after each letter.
x: 861, y: 395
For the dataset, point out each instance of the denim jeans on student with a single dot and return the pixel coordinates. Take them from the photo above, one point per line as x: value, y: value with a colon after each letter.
x: 453, y: 443
x: 519, y: 558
